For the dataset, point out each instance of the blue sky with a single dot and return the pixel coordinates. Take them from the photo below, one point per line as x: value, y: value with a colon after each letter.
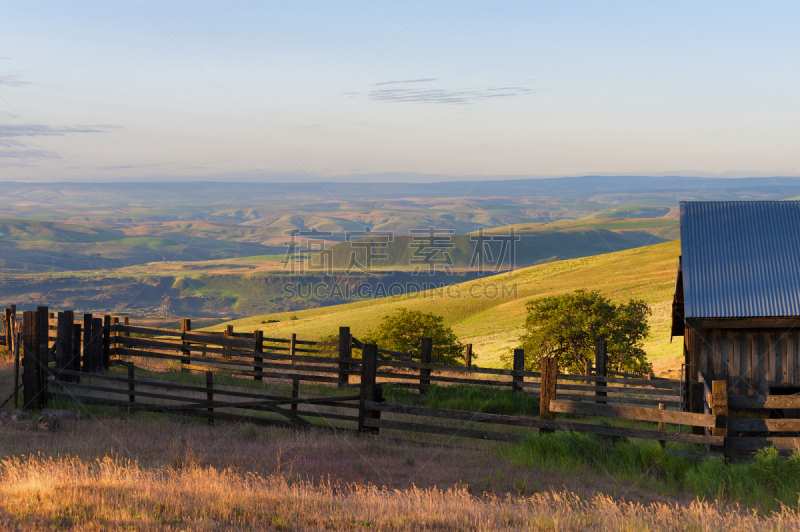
x: 376, y: 90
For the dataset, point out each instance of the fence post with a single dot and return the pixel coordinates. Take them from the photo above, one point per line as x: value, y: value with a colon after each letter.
x: 292, y: 347
x: 468, y: 356
x: 17, y: 345
x: 719, y: 408
x: 426, y: 352
x: 258, y: 338
x: 131, y: 385
x: 698, y: 393
x: 369, y: 389
x: 210, y: 395
x: 43, y: 341
x: 662, y: 427
x: 126, y: 321
x: 75, y: 359
x: 295, y: 390
x: 13, y: 310
x: 97, y: 345
x: 228, y: 334
x: 115, y: 336
x: 106, y: 341
x: 87, y: 339
x: 548, y: 390
x: 64, y: 340
x: 519, y: 367
x: 31, y: 396
x: 186, y: 326
x: 7, y: 324
x: 601, y: 367
x: 345, y: 352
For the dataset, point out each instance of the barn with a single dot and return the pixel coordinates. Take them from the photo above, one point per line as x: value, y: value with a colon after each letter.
x: 737, y: 296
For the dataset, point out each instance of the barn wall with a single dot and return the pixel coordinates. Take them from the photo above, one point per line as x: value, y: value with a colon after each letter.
x: 750, y: 360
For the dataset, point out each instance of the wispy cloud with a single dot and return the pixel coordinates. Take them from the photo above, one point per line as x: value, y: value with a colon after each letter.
x: 22, y: 155
x: 16, y: 146
x: 128, y: 166
x: 12, y: 80
x: 33, y: 130
x: 433, y: 95
x: 421, y: 80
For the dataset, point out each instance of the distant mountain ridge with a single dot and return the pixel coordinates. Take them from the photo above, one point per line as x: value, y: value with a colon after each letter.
x: 302, y: 188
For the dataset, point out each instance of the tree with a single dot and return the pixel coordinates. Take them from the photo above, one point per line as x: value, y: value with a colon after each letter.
x: 404, y: 330
x: 568, y: 326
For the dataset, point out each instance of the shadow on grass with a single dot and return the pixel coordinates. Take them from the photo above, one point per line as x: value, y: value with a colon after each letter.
x: 484, y: 399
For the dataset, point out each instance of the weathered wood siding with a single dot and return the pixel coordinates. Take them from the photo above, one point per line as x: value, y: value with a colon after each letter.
x: 750, y: 360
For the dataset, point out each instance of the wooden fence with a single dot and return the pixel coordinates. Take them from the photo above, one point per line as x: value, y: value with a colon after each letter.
x: 110, y: 361
x: 417, y: 372
x: 445, y: 422
x: 751, y: 422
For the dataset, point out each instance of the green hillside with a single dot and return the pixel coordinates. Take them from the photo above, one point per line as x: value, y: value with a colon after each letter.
x: 35, y: 231
x: 493, y: 324
x: 537, y: 243
x: 46, y: 246
x: 667, y: 228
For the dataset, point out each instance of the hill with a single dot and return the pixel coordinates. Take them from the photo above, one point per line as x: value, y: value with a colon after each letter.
x: 493, y: 324
x: 51, y: 246
x: 536, y: 243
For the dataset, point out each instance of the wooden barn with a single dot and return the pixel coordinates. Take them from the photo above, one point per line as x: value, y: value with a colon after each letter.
x: 737, y: 297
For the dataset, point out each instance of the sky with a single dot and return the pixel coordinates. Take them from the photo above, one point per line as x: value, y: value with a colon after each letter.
x: 425, y: 90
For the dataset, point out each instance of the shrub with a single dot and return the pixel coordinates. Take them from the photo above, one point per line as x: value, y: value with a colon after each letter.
x: 404, y: 330
x: 568, y: 326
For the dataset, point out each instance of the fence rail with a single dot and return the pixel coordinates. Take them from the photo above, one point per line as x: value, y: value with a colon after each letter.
x: 109, y: 361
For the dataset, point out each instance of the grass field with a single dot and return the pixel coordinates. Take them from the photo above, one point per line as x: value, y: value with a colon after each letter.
x: 493, y: 324
x: 117, y: 471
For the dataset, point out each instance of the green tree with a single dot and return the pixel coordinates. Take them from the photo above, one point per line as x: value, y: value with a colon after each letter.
x: 568, y: 326
x: 404, y: 330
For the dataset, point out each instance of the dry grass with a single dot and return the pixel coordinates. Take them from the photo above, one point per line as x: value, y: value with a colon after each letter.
x: 155, y: 472
x: 114, y: 494
x: 150, y: 473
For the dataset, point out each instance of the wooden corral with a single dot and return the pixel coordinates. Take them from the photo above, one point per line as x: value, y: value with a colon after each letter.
x: 234, y: 376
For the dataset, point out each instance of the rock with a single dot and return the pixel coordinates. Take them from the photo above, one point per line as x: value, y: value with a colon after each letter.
x: 73, y: 413
x: 20, y: 416
x: 49, y: 422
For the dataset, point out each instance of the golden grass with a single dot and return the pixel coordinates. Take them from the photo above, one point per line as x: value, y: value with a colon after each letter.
x: 118, y: 494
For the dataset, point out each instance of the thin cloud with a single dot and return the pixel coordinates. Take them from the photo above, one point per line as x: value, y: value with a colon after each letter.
x: 33, y: 130
x: 128, y: 166
x: 24, y: 155
x: 12, y: 80
x: 448, y: 97
x: 398, y: 82
x: 13, y: 148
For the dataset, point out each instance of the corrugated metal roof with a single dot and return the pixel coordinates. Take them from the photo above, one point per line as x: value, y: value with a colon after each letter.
x: 740, y: 258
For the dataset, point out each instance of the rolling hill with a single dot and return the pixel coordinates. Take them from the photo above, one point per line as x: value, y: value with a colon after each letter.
x: 537, y: 243
x: 493, y: 324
